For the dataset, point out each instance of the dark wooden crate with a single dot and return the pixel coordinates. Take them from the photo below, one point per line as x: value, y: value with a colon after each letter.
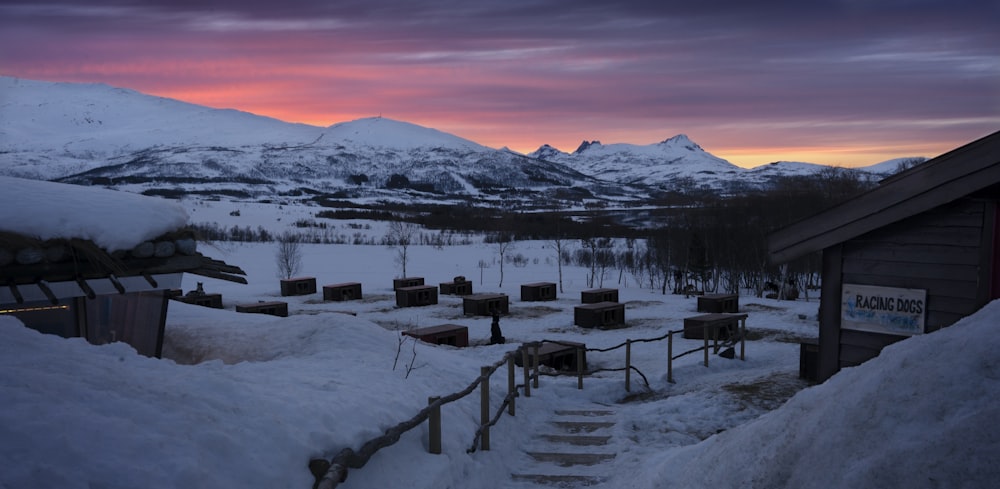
x: 207, y: 300
x: 398, y: 283
x: 719, y: 303
x: 593, y: 296
x: 417, y: 295
x: 559, y: 356
x: 539, y: 291
x: 726, y: 324
x: 298, y: 286
x: 445, y: 334
x: 483, y: 304
x: 456, y: 288
x: 599, y: 315
x: 274, y: 308
x: 348, y: 291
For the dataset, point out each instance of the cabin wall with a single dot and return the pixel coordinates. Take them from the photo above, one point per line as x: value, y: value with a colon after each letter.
x: 940, y: 251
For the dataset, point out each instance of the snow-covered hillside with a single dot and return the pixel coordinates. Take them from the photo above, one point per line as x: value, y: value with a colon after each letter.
x: 97, y: 134
x: 89, y: 133
x: 662, y: 164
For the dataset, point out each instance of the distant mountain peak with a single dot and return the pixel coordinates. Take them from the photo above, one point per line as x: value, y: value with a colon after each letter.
x: 585, y: 145
x: 682, y: 141
x: 381, y: 131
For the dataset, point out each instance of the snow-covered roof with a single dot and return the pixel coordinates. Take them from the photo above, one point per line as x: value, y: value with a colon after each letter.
x: 113, y: 220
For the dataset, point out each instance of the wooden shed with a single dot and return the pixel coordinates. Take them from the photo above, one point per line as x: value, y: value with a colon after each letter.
x: 538, y: 291
x: 914, y: 255
x: 417, y: 295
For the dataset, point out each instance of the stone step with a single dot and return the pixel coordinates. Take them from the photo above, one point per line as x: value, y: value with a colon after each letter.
x: 570, y: 459
x: 582, y: 426
x: 580, y: 440
x: 559, y: 480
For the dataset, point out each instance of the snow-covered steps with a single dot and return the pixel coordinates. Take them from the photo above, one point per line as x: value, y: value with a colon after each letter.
x: 574, y: 454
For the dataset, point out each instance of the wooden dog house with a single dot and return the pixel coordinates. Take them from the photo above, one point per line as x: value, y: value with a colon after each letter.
x: 538, y: 291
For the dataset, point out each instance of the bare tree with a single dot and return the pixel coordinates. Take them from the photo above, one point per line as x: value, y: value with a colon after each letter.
x: 504, y: 242
x: 400, y: 237
x: 559, y: 244
x: 288, y: 255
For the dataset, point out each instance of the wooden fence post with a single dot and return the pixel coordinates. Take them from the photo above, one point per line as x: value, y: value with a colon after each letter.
x: 579, y: 368
x: 484, y: 389
x: 706, y: 344
x: 743, y: 337
x: 537, y: 361
x: 527, y: 371
x: 670, y: 357
x: 434, y: 427
x: 511, y: 387
x: 628, y: 365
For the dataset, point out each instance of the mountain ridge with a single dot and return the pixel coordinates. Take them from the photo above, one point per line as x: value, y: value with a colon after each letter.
x: 99, y: 134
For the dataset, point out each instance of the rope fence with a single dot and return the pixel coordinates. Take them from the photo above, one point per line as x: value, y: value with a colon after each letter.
x: 330, y: 473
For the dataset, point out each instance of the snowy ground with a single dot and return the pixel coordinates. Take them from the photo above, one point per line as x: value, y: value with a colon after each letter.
x: 245, y: 400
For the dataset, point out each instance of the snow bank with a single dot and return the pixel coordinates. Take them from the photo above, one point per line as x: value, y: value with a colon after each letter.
x: 922, y: 414
x: 113, y: 220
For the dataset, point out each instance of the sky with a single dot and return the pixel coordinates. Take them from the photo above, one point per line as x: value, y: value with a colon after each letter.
x: 842, y: 82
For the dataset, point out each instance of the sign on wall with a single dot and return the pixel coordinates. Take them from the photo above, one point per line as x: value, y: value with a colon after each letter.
x: 883, y: 309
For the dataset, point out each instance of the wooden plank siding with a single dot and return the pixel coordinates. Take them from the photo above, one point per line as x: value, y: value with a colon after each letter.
x: 939, y: 251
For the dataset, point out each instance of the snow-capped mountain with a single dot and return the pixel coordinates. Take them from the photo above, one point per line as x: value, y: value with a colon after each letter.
x: 97, y: 134
x: 89, y: 133
x: 660, y: 165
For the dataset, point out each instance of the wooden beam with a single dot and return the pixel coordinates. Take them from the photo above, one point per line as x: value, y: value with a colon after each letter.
x: 221, y: 276
x: 16, y: 293
x: 118, y: 285
x: 85, y: 287
x: 44, y: 286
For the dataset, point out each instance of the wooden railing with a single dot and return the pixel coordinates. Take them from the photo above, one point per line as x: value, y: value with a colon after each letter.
x: 331, y: 473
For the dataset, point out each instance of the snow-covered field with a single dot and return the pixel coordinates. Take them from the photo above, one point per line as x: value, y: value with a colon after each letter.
x: 245, y: 400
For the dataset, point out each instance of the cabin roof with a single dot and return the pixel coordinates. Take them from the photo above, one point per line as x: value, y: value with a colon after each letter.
x: 946, y: 178
x: 51, y: 232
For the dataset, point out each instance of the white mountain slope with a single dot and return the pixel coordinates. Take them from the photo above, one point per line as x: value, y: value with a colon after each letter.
x: 655, y: 164
x: 90, y: 133
x: 97, y: 134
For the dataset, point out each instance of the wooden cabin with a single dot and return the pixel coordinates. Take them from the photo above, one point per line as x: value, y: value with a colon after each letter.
x: 416, y: 296
x: 594, y: 296
x: 599, y: 315
x: 348, y: 291
x: 444, y: 334
x: 298, y: 286
x: 484, y: 304
x: 914, y: 255
x: 539, y: 291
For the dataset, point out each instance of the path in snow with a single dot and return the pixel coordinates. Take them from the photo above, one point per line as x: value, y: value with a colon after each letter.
x: 572, y: 451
